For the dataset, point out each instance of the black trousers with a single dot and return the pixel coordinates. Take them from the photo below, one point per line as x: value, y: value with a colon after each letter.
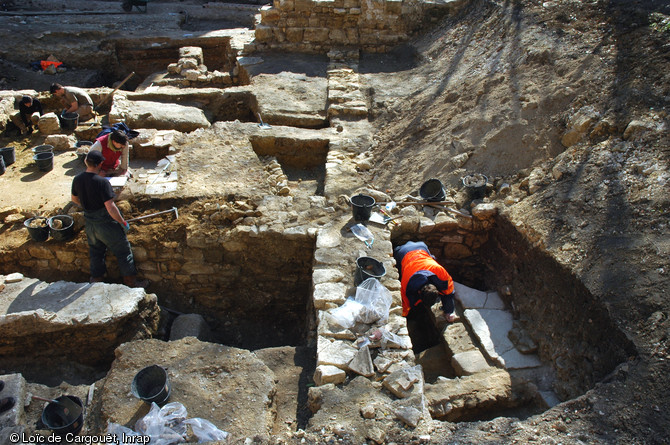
x: 422, y: 328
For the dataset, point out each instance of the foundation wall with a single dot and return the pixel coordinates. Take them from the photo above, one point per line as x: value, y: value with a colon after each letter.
x: 246, y: 282
x: 319, y: 25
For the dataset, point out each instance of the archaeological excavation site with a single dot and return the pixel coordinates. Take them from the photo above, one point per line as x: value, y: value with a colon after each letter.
x: 279, y: 153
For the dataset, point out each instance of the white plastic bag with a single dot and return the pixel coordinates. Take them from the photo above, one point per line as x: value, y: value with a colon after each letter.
x: 205, y: 430
x: 391, y: 340
x: 120, y: 432
x: 164, y: 425
x: 363, y: 233
x: 167, y: 426
x: 346, y: 315
x: 375, y: 298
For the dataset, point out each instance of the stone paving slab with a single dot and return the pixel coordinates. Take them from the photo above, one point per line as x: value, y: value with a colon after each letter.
x: 491, y: 327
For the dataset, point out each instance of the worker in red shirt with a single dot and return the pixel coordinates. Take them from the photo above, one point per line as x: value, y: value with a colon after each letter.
x: 422, y: 281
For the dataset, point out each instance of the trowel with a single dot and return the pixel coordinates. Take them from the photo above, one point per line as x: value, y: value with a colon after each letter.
x: 262, y: 124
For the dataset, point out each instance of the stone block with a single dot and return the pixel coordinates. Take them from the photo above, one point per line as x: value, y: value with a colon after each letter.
x: 325, y: 374
x: 263, y: 33
x: 316, y: 35
x: 338, y: 36
x: 303, y: 5
x: 190, y: 325
x: 362, y: 363
x: 49, y: 124
x: 15, y: 386
x: 444, y: 222
x: 469, y: 362
x: 485, y: 211
x: 334, y: 353
x: 294, y: 35
x: 60, y: 142
x: 450, y: 399
x: 405, y: 382
x: 320, y: 276
x: 457, y: 339
x: 492, y: 327
x: 394, y: 6
x: 456, y: 251
x: 329, y: 293
x: 193, y: 52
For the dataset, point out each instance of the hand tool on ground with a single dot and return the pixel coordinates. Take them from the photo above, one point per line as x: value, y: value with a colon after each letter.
x: 262, y: 124
x: 389, y: 218
x: 65, y: 410
x: 173, y: 209
x: 168, y: 159
x: 104, y: 99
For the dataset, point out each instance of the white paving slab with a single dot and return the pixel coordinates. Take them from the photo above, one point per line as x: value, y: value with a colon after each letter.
x: 493, y: 301
x: 491, y: 327
x: 468, y: 297
x: 516, y: 360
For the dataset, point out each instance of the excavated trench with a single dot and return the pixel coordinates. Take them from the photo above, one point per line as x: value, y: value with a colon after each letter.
x: 577, y: 341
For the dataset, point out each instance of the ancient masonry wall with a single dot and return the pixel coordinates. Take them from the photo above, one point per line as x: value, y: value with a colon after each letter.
x: 320, y: 25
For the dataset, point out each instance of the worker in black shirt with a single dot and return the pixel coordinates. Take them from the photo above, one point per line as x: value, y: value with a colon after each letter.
x: 27, y: 115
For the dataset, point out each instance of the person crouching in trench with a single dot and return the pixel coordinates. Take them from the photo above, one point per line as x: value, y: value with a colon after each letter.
x: 422, y: 281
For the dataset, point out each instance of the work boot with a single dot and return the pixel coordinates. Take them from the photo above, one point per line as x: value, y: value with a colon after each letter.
x: 6, y: 404
x: 132, y: 281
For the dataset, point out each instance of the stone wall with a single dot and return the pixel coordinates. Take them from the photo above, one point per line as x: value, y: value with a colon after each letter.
x: 320, y: 25
x: 317, y: 26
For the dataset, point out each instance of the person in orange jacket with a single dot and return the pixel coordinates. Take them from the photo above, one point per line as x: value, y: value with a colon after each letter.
x: 422, y: 281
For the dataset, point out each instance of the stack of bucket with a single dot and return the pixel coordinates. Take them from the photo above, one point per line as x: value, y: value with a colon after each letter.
x: 43, y: 155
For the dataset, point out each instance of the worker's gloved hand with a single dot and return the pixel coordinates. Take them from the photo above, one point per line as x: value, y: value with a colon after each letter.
x: 126, y: 226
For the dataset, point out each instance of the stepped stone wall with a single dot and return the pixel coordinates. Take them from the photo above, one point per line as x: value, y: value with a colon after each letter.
x: 320, y: 25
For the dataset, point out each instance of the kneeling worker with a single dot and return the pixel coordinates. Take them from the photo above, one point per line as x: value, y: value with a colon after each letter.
x: 105, y: 227
x: 75, y: 100
x: 422, y: 281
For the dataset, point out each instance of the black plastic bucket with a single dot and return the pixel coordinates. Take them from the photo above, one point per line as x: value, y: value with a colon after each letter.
x: 66, y: 230
x: 69, y: 121
x: 2, y: 165
x: 79, y: 144
x: 367, y: 267
x: 64, y: 417
x: 38, y: 232
x: 152, y: 385
x: 432, y: 190
x: 475, y: 185
x: 44, y: 161
x: 43, y: 149
x: 361, y: 207
x: 8, y: 155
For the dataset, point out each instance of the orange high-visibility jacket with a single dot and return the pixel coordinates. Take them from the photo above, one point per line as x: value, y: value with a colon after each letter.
x: 414, y: 262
